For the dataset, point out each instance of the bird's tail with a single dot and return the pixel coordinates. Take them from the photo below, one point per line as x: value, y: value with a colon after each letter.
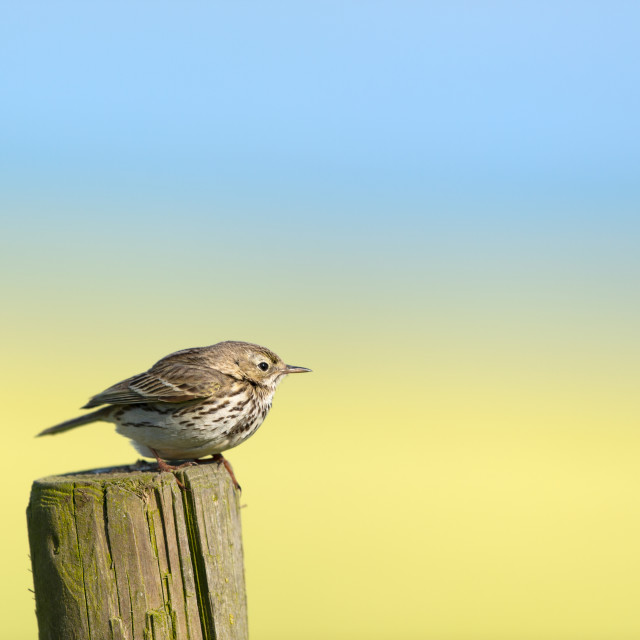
x: 94, y: 416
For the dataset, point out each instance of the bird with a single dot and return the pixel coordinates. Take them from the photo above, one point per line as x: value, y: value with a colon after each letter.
x: 192, y: 403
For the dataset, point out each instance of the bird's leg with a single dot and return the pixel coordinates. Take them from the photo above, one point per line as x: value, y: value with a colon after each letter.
x: 220, y: 459
x: 164, y: 466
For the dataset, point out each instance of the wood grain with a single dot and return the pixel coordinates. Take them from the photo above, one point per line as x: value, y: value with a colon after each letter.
x: 126, y: 554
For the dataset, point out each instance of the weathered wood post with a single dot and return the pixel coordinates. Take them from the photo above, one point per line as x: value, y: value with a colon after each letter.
x: 125, y: 554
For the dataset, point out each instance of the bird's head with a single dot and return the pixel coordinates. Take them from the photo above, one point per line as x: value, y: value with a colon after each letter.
x: 254, y: 364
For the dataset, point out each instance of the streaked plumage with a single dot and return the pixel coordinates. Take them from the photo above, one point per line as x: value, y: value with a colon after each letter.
x: 192, y: 403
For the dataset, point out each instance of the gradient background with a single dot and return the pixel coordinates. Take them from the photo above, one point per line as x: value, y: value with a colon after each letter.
x: 433, y: 205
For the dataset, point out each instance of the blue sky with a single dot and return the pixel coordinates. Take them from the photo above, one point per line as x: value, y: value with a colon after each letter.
x: 425, y: 99
x: 372, y: 142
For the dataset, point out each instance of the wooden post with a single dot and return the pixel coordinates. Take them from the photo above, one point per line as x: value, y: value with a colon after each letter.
x: 125, y: 554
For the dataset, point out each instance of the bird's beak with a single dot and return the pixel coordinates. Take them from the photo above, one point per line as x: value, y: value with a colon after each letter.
x: 291, y: 369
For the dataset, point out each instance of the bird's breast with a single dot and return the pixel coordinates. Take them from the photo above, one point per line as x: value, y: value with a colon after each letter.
x: 195, y: 429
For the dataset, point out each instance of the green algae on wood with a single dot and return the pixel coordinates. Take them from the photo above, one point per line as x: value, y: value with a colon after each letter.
x: 126, y: 554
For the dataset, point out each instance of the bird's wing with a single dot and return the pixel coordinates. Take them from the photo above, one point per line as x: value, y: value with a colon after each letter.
x: 169, y: 380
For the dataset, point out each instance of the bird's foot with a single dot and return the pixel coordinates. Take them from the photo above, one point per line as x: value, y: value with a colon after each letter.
x: 169, y: 468
x: 220, y: 459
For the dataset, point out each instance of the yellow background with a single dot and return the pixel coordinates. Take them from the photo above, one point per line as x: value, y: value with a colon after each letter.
x: 461, y: 463
x: 434, y: 209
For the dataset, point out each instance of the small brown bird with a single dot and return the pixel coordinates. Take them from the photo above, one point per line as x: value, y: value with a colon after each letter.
x: 192, y: 403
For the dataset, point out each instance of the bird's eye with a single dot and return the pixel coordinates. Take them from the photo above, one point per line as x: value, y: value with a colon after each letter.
x: 263, y: 365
